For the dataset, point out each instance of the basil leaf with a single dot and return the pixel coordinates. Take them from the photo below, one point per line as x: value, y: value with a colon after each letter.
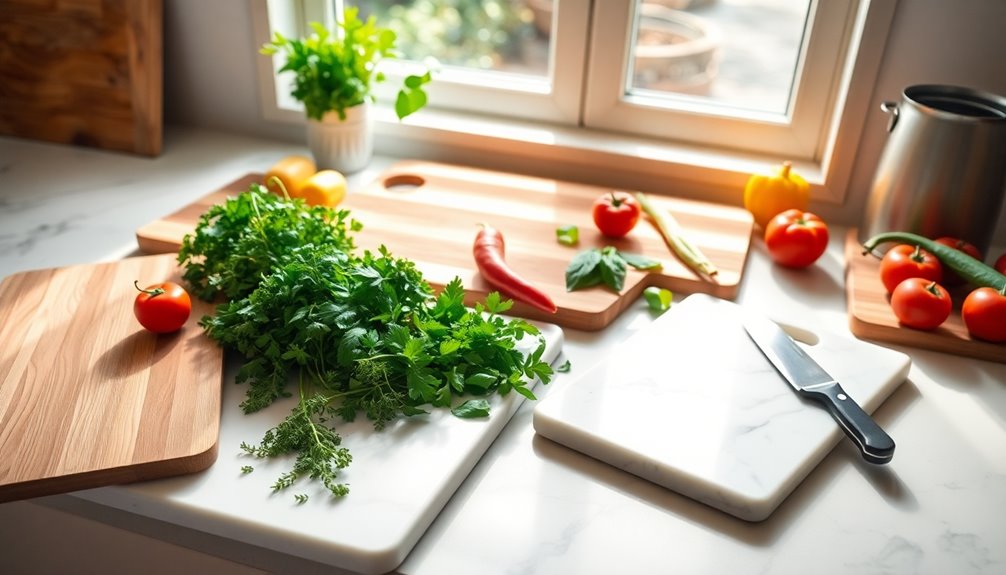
x: 612, y: 269
x: 472, y: 409
x: 640, y: 262
x: 583, y: 270
x: 568, y: 235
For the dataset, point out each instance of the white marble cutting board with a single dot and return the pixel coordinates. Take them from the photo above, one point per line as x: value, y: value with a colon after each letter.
x: 690, y: 403
x: 399, y: 480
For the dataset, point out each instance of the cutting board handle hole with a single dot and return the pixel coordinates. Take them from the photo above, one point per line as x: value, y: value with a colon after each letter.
x: 801, y: 335
x: 403, y: 183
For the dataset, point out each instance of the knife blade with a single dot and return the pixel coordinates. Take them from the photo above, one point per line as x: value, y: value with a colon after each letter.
x: 810, y: 380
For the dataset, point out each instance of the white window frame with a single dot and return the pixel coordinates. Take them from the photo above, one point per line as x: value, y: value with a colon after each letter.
x: 494, y: 93
x: 795, y: 134
x: 545, y: 133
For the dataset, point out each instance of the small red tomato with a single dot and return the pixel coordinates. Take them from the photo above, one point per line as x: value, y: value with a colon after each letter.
x: 984, y: 313
x: 921, y: 303
x: 950, y: 277
x: 906, y: 261
x: 616, y: 213
x: 795, y: 238
x: 1000, y: 264
x: 163, y: 307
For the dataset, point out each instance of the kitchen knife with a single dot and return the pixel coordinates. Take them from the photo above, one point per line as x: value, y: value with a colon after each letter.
x: 810, y: 380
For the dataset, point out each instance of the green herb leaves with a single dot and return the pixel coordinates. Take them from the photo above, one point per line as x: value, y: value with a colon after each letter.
x: 238, y: 242
x: 472, y: 408
x: 334, y: 72
x: 412, y: 97
x: 604, y: 266
x: 361, y: 333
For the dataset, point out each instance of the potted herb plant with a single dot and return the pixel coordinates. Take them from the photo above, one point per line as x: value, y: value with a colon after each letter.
x: 336, y: 72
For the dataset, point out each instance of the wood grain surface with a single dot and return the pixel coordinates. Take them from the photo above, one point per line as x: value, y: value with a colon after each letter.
x: 871, y: 317
x: 87, y: 396
x: 430, y: 212
x: 86, y: 72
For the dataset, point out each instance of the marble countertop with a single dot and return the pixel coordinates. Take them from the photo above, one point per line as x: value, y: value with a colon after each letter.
x: 530, y: 505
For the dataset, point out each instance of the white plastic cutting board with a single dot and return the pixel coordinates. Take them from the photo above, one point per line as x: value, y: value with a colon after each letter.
x: 691, y: 404
x: 399, y: 480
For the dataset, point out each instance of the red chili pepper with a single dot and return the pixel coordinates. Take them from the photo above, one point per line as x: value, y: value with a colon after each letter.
x: 489, y: 257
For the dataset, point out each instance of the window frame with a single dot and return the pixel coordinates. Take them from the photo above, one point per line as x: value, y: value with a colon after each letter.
x: 554, y: 99
x: 566, y: 149
x: 795, y: 134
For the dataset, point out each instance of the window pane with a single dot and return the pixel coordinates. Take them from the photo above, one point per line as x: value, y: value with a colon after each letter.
x: 737, y: 53
x: 485, y: 35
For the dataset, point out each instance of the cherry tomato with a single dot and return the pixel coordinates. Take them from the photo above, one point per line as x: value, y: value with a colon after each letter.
x: 984, y: 313
x: 616, y: 213
x: 163, y: 307
x: 905, y: 261
x: 1000, y: 264
x: 950, y: 277
x: 921, y: 303
x: 796, y: 238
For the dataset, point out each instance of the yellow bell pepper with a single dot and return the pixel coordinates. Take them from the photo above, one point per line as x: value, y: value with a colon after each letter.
x: 766, y: 196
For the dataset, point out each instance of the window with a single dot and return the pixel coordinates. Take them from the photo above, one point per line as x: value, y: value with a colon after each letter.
x: 708, y: 87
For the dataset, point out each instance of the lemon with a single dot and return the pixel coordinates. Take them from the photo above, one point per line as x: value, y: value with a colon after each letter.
x: 325, y: 188
x: 292, y: 171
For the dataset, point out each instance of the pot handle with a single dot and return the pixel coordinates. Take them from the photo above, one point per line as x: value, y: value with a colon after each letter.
x: 892, y: 109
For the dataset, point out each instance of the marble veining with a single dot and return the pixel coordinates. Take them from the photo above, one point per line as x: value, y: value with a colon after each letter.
x: 743, y: 440
x: 22, y: 244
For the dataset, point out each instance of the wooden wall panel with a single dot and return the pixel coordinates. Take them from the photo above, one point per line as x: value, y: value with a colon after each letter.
x: 83, y: 72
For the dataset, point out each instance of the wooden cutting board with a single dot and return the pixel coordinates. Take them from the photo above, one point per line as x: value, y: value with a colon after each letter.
x: 430, y: 212
x: 690, y: 403
x: 86, y: 72
x: 87, y: 396
x: 871, y: 317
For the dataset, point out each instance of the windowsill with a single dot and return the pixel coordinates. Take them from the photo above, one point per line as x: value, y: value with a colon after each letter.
x: 583, y: 155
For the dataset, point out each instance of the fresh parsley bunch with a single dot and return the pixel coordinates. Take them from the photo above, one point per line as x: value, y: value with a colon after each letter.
x: 357, y: 333
x: 238, y: 242
x: 366, y: 336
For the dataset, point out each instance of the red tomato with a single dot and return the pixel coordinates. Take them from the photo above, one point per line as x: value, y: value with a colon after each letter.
x: 984, y: 313
x: 616, y: 213
x: 1000, y: 264
x: 906, y: 261
x: 795, y: 238
x: 921, y: 303
x: 950, y: 277
x: 163, y: 307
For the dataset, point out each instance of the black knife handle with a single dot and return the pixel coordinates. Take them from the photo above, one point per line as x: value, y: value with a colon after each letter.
x: 873, y: 442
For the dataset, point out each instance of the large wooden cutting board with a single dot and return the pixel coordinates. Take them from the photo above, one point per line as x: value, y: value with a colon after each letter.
x: 87, y: 396
x: 871, y: 317
x: 430, y: 212
x: 86, y: 72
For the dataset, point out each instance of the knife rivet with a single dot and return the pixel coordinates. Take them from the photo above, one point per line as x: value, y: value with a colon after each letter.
x: 842, y: 396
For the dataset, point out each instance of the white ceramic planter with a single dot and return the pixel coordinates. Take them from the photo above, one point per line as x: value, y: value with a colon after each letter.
x: 343, y: 145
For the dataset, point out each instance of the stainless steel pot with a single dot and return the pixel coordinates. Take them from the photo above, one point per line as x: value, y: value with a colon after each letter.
x: 943, y: 169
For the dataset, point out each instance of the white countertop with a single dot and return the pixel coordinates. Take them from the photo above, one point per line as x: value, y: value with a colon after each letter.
x: 529, y: 505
